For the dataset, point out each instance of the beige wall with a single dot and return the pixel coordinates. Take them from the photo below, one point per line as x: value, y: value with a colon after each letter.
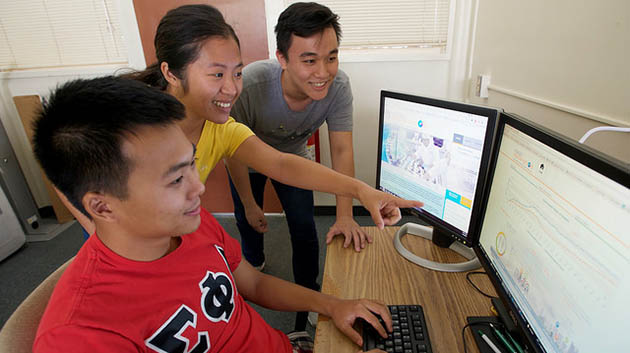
x: 549, y: 57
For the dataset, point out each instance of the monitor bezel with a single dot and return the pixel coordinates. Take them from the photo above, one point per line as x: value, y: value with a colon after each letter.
x: 604, y: 164
x: 492, y: 114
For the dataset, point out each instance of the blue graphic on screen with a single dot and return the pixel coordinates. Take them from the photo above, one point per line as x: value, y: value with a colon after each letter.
x: 384, y: 152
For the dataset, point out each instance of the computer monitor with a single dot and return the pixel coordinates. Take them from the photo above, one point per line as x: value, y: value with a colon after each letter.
x: 437, y: 152
x: 555, y: 240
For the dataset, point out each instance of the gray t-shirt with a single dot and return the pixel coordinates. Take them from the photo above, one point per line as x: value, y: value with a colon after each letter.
x: 262, y: 107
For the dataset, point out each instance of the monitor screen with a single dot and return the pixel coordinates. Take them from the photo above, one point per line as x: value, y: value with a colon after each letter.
x: 436, y: 152
x: 555, y: 240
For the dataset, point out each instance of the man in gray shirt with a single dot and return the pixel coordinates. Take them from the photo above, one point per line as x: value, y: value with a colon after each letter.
x: 284, y: 102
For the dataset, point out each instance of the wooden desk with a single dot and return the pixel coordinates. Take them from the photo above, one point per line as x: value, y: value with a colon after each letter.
x: 379, y: 272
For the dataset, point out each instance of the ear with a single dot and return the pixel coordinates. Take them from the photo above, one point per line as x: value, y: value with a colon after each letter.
x: 169, y: 76
x: 283, y: 60
x: 99, y: 207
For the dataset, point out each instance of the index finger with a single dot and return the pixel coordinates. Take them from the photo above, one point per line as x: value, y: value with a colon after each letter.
x: 382, y: 310
x: 402, y: 203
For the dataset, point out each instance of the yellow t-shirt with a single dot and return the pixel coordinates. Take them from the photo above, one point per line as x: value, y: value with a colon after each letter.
x: 218, y: 141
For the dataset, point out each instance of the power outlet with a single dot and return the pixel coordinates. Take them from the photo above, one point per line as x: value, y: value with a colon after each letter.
x: 481, y: 87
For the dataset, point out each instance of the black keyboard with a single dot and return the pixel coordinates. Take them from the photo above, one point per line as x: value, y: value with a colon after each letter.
x: 410, y: 334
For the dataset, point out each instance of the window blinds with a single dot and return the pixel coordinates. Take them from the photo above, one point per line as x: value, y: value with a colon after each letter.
x: 60, y: 33
x: 367, y: 24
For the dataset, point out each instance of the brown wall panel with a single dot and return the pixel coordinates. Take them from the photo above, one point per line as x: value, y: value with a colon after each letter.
x: 28, y: 107
x: 246, y: 16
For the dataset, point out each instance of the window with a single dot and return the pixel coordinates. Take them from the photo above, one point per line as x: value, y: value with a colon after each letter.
x: 60, y: 33
x: 377, y: 27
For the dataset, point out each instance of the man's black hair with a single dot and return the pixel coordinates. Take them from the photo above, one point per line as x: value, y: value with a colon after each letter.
x: 79, y: 133
x: 304, y: 19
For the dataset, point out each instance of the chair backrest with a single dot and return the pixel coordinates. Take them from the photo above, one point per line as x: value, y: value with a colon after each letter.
x: 18, y: 333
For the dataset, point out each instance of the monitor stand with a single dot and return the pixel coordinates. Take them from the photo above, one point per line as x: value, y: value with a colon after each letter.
x: 441, y: 240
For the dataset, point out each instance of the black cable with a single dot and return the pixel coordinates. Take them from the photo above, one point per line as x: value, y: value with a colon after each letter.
x: 475, y: 286
x: 472, y: 332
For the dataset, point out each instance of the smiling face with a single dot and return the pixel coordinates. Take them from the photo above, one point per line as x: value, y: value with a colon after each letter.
x: 163, y: 186
x: 212, y: 82
x: 311, y: 65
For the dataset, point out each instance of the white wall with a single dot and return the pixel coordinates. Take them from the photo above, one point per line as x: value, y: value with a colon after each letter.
x: 564, y: 64
x: 40, y: 82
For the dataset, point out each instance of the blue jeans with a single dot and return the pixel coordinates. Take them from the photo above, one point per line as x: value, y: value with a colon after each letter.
x: 299, y: 209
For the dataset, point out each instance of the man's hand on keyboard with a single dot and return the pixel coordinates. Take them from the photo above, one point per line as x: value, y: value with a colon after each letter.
x: 345, y: 312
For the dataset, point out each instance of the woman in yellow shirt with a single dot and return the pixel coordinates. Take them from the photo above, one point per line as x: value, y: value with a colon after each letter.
x: 199, y: 63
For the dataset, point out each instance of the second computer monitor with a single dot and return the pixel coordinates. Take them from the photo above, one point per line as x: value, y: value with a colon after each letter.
x: 555, y: 240
x: 437, y: 152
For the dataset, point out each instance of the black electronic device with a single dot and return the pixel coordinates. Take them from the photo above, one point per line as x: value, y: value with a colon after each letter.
x: 409, y: 332
x: 438, y: 152
x: 555, y: 241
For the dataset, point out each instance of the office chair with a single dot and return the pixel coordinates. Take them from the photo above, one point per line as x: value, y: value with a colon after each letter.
x: 18, y: 333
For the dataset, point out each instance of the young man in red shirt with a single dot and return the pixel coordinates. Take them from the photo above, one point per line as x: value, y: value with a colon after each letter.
x: 161, y: 275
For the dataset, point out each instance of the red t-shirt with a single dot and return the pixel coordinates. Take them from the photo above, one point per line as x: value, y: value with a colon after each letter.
x: 186, y: 301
